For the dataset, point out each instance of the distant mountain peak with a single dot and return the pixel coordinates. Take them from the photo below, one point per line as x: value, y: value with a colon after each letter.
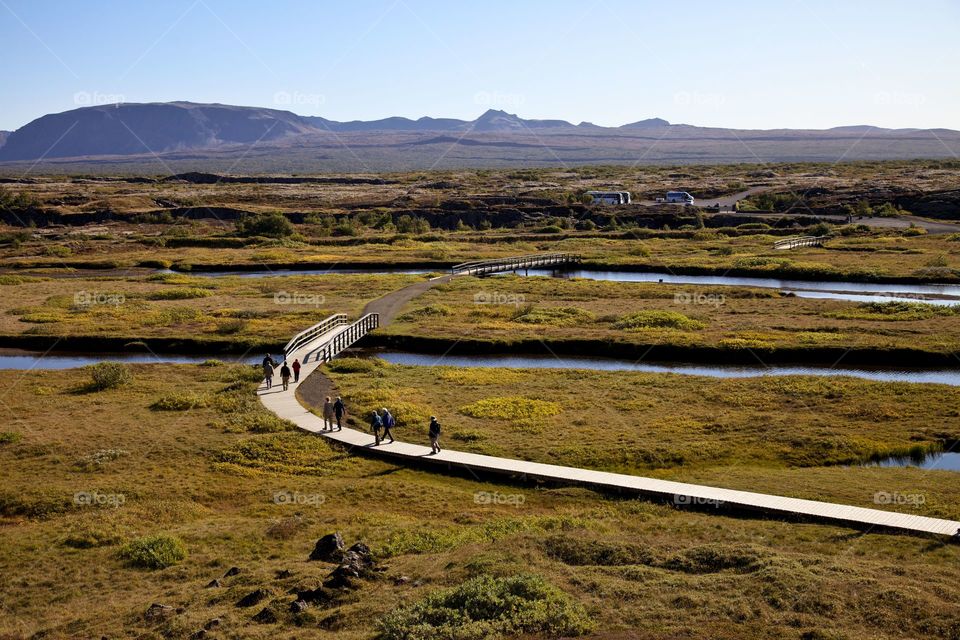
x: 649, y: 123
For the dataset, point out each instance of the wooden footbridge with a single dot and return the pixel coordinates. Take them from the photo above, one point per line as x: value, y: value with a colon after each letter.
x: 800, y: 241
x: 516, y: 263
x: 323, y: 341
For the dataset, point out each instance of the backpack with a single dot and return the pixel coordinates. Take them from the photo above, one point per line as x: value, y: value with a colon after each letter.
x: 390, y: 422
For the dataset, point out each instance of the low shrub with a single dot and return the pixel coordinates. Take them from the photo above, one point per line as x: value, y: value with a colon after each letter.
x: 180, y: 293
x: 272, y: 225
x: 894, y: 311
x: 711, y: 558
x: 429, y: 311
x: 658, y: 320
x: 154, y: 552
x: 555, y: 316
x: 488, y: 607
x: 179, y: 402
x: 582, y: 552
x: 108, y: 375
x: 354, y: 365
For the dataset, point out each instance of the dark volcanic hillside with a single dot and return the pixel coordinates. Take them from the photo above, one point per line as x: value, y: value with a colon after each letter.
x: 187, y: 137
x: 127, y: 129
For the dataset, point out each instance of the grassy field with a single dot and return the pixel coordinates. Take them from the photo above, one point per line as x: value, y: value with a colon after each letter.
x: 214, y: 312
x: 508, y: 309
x: 614, y: 567
x: 790, y: 433
x: 162, y: 501
x: 865, y: 256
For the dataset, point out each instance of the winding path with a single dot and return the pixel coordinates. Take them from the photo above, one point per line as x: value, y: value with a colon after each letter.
x: 286, y: 405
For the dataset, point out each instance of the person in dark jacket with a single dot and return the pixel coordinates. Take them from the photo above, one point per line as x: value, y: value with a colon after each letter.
x: 296, y: 370
x: 376, y: 424
x: 285, y: 375
x: 388, y: 423
x: 268, y: 366
x: 434, y: 434
x: 339, y: 411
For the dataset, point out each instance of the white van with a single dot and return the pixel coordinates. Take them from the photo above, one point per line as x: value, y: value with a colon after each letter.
x: 679, y: 197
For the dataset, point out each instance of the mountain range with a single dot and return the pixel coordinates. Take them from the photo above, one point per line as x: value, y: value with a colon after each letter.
x: 192, y: 136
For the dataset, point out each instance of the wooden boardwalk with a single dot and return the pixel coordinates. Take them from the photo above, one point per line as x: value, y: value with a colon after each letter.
x: 515, y: 263
x: 800, y: 241
x: 331, y: 336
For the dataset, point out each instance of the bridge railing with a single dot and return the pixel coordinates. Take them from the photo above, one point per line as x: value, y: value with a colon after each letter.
x: 800, y: 241
x: 515, y: 262
x: 312, y: 333
x: 329, y: 349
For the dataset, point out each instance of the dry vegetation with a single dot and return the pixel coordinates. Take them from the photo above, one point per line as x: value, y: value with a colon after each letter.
x: 617, y: 564
x: 130, y: 487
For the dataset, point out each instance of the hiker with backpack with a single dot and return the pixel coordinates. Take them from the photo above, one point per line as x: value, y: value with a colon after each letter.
x: 328, y: 414
x: 376, y: 424
x: 285, y: 375
x: 268, y: 365
x: 339, y: 411
x: 388, y: 423
x: 434, y: 434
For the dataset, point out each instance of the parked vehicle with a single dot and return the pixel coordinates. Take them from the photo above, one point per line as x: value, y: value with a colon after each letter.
x: 609, y: 197
x: 679, y: 197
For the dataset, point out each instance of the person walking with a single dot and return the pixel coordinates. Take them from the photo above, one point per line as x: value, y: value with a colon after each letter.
x: 376, y: 423
x: 268, y: 365
x: 434, y: 434
x: 285, y: 375
x: 296, y: 370
x: 339, y: 410
x: 388, y: 423
x: 327, y: 413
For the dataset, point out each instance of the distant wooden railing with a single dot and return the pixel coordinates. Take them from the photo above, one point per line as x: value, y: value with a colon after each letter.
x: 312, y: 333
x: 532, y: 261
x: 800, y: 241
x: 342, y: 340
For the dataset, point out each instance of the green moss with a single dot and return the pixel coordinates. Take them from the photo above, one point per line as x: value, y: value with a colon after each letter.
x: 511, y: 408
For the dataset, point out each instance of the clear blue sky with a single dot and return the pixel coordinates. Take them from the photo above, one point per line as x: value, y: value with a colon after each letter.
x: 751, y: 64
